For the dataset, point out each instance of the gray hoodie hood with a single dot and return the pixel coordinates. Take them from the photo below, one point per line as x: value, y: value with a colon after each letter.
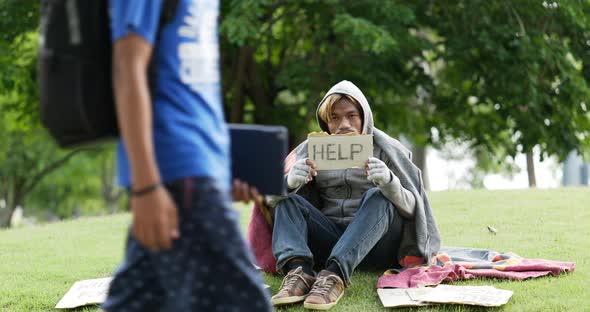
x: 348, y: 88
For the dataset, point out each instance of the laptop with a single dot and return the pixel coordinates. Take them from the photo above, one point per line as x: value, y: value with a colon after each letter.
x: 258, y: 153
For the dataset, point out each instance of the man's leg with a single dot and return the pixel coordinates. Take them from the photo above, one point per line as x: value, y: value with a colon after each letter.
x: 301, y: 234
x: 377, y: 223
x: 301, y: 231
x: 135, y: 286
x: 375, y: 220
x: 208, y: 268
x: 383, y: 256
x: 218, y: 272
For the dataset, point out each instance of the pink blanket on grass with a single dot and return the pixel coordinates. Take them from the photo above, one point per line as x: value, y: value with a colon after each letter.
x: 454, y: 264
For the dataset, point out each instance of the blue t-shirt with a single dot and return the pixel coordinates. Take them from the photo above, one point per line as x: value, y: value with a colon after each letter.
x: 190, y: 134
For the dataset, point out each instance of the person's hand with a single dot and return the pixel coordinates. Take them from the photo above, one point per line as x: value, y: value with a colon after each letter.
x: 242, y: 191
x: 377, y: 171
x: 155, y: 219
x: 302, y: 172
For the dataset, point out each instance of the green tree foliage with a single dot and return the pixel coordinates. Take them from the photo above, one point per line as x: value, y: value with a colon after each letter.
x: 514, y: 74
x: 502, y: 75
x: 81, y: 187
x: 37, y: 175
x: 18, y: 49
x: 280, y: 57
x: 27, y: 155
x: 29, y: 160
x: 18, y: 17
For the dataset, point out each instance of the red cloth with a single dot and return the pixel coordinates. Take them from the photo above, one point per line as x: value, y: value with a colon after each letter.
x: 259, y: 233
x: 436, y: 274
x: 260, y: 238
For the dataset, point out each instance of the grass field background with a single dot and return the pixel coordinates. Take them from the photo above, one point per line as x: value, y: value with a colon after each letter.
x: 39, y: 264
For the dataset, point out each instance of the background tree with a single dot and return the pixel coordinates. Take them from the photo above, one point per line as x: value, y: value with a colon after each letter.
x: 280, y: 57
x: 514, y: 75
x: 113, y: 195
x: 84, y: 186
x: 504, y: 76
x: 27, y: 155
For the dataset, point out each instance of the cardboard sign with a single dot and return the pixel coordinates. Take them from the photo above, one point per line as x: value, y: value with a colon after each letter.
x: 85, y: 292
x: 334, y: 152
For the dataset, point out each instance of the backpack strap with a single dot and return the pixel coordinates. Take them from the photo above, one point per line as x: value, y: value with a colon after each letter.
x: 167, y: 14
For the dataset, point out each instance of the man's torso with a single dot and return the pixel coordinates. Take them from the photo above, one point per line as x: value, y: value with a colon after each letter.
x: 341, y: 191
x: 190, y: 135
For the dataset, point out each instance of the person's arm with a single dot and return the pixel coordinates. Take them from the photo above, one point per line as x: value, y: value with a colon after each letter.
x: 154, y: 213
x: 402, y: 198
x: 391, y: 187
x: 243, y: 192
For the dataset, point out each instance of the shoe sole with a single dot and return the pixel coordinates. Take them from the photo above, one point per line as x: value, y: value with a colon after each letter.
x: 287, y: 300
x: 322, y: 306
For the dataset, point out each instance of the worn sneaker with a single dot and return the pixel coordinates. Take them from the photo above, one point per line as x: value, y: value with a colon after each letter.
x: 325, y: 292
x: 295, y: 288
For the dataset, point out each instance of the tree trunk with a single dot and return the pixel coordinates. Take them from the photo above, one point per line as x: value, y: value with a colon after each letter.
x: 112, y: 200
x: 530, y: 168
x: 12, y: 201
x: 18, y: 187
x: 5, y: 216
x: 110, y: 193
x: 259, y: 87
x: 238, y: 94
x: 112, y: 206
x: 419, y: 159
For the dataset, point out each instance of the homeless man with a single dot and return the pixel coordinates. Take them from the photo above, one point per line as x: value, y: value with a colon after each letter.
x: 339, y: 220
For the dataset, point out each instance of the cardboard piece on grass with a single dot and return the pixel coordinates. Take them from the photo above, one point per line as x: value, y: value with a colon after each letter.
x: 397, y: 298
x: 89, y: 292
x: 487, y: 296
x: 260, y: 269
x: 335, y: 152
x: 85, y: 292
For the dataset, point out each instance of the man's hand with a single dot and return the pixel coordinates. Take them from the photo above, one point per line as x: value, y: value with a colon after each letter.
x: 155, y: 219
x: 155, y: 223
x: 301, y: 173
x: 377, y: 171
x: 242, y: 191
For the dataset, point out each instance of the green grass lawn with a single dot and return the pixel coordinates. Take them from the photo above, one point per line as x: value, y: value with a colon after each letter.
x: 39, y: 264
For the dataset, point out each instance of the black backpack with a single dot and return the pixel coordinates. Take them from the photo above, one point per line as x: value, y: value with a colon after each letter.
x: 76, y: 94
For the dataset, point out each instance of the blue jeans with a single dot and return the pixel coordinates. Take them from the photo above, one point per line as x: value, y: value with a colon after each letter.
x: 209, y: 268
x: 370, y: 241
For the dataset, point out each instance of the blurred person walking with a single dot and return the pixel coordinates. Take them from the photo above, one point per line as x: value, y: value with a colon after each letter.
x: 185, y: 251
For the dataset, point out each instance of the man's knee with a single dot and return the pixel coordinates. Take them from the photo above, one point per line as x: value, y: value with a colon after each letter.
x: 375, y: 199
x: 292, y: 202
x: 375, y: 196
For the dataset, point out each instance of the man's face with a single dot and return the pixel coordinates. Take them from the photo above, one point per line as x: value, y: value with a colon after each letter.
x: 346, y: 118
